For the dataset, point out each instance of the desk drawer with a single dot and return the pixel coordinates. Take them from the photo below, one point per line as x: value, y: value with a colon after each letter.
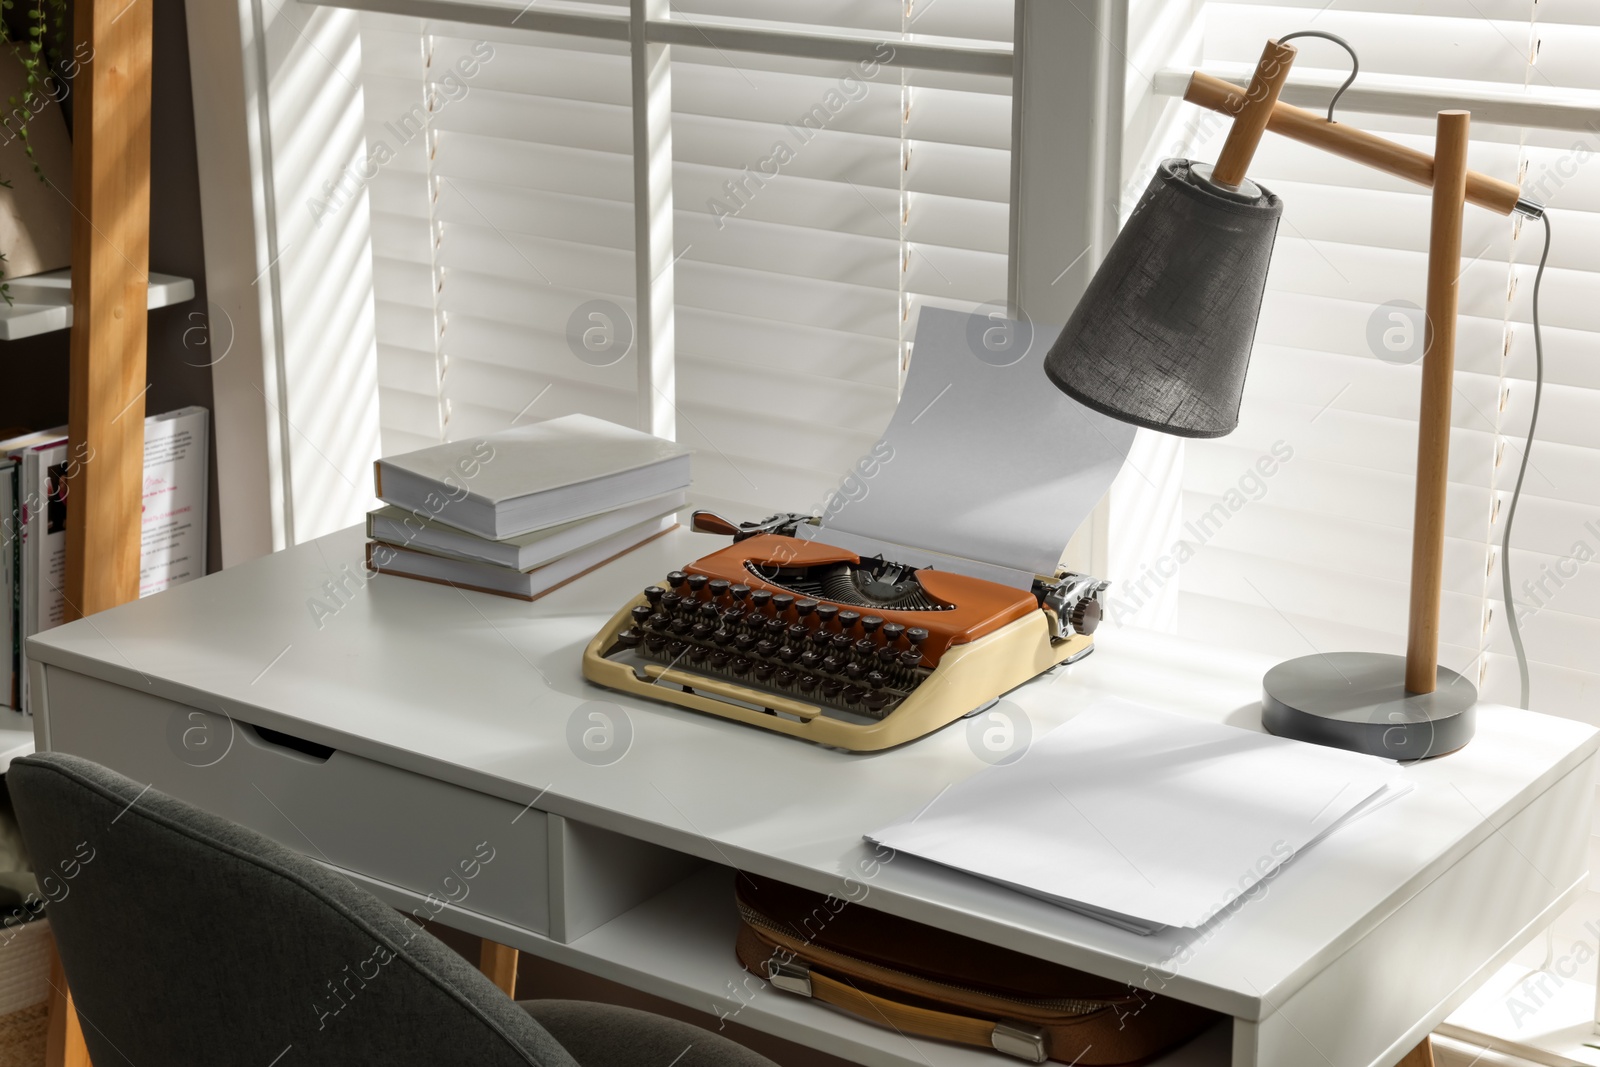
x: 390, y: 824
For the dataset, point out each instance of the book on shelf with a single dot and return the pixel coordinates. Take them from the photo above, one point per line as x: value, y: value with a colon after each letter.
x: 405, y: 529
x: 172, y: 522
x: 534, y: 477
x: 504, y: 581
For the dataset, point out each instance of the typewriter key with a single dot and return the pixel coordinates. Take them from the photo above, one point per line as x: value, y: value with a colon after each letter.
x: 677, y: 579
x: 722, y: 637
x: 826, y: 613
x: 741, y: 665
x: 719, y: 660
x: 847, y: 619
x: 808, y: 682
x: 764, y: 671
x: 880, y: 700
x: 831, y: 689
x: 853, y: 694
x: 832, y: 664
x: 784, y: 677
x: 701, y: 631
x: 776, y: 627
x: 676, y: 648
x: 916, y: 635
x: 659, y: 622
x: 876, y: 679
x: 842, y: 642
x: 886, y: 655
x: 697, y: 653
x: 854, y: 671
x: 809, y: 660
x: 629, y: 638
x: 642, y: 612
x: 804, y: 608
x: 653, y: 593
x: 787, y: 653
x: 910, y: 658
x: 681, y: 626
x: 710, y: 612
x: 739, y: 592
x: 744, y: 642
x: 766, y: 648
x: 760, y: 599
x: 892, y: 632
x: 798, y: 633
x: 870, y: 624
x: 655, y: 642
x: 866, y: 647
x: 697, y: 582
x: 719, y: 588
x: 781, y: 602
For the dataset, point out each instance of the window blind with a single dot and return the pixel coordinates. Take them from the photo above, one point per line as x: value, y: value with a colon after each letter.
x: 818, y: 205
x: 1295, y: 531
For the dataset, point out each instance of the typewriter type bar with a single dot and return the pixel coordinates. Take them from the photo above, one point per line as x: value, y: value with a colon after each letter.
x: 810, y: 640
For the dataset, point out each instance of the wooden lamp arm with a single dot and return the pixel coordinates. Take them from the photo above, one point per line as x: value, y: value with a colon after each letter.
x: 1347, y: 141
x: 1251, y: 109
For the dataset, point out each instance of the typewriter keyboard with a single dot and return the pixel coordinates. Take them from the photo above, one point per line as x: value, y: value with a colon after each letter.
x: 813, y: 650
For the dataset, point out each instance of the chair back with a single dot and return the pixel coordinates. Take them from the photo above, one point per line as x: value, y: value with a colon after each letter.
x: 187, y: 939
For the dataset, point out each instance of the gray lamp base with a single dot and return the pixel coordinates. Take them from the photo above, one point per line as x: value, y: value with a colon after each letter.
x: 1358, y: 701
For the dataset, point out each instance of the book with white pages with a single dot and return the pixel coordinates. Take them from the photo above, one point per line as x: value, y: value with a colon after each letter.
x: 1143, y: 818
x: 533, y: 477
x: 407, y: 529
x: 503, y: 581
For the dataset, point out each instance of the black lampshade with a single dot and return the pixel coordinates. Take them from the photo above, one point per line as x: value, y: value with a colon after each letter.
x: 1162, y: 335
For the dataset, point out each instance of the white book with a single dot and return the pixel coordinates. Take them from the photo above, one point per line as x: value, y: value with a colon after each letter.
x: 403, y: 529
x: 524, y: 585
x: 172, y: 526
x: 29, y: 506
x: 1145, y: 818
x: 43, y: 573
x: 529, y: 478
x: 10, y: 543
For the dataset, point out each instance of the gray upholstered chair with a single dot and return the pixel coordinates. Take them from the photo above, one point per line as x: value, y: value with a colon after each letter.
x: 188, y: 940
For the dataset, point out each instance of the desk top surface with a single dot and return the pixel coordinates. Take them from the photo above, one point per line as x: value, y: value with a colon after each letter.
x: 488, y: 693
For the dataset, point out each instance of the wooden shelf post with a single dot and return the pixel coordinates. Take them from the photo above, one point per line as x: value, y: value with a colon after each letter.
x: 110, y: 277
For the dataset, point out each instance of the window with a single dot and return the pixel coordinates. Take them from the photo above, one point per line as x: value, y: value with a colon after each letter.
x: 817, y: 204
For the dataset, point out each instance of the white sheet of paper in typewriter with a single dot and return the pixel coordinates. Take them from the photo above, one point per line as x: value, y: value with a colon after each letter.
x: 990, y: 461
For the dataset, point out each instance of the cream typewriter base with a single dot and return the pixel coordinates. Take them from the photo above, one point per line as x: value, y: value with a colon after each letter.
x: 968, y: 677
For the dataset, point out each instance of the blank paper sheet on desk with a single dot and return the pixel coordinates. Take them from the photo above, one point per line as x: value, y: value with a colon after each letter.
x: 1144, y: 817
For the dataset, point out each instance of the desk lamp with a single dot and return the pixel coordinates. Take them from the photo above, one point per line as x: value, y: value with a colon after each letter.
x: 1162, y: 338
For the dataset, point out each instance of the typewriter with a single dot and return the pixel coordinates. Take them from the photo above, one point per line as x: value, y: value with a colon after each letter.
x: 813, y: 641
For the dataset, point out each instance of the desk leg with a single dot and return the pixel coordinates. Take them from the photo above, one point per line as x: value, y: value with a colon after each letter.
x: 499, y: 963
x: 1421, y: 1056
x: 64, y: 1045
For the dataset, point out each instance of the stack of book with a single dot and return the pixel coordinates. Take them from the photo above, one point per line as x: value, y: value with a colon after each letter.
x: 34, y: 470
x: 525, y: 510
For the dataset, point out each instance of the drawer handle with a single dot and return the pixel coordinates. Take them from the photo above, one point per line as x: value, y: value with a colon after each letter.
x: 279, y: 739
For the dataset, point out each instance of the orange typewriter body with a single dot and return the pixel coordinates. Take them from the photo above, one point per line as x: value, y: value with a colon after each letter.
x: 807, y: 639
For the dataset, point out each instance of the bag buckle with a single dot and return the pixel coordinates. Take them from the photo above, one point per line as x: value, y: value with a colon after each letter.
x: 791, y: 976
x: 1023, y: 1042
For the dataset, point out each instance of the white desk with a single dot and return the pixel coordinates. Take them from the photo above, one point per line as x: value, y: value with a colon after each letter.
x: 449, y: 717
